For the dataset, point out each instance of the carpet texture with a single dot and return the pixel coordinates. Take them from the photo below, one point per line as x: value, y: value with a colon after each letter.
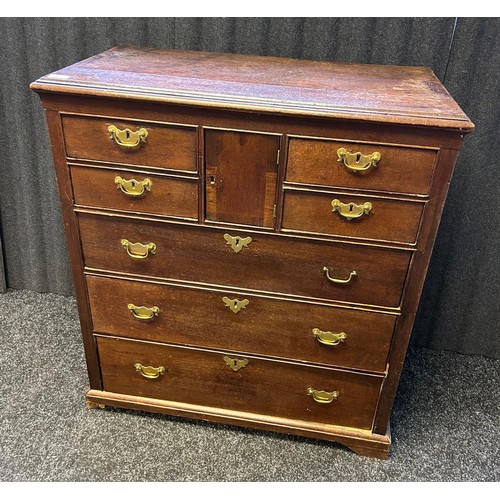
x: 445, y: 424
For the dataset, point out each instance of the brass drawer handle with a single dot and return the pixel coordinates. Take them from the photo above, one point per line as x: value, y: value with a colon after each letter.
x: 138, y: 250
x: 237, y: 243
x: 133, y: 187
x: 235, y: 364
x: 143, y: 313
x: 127, y: 138
x: 329, y: 338
x: 358, y: 162
x: 322, y: 396
x: 149, y: 372
x: 351, y: 210
x: 339, y: 281
x: 234, y: 304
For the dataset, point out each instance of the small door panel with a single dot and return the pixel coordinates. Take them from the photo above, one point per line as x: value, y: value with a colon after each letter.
x: 241, y: 175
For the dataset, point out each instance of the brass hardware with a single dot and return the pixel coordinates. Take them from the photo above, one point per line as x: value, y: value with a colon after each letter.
x: 234, y: 304
x: 351, y: 210
x: 235, y: 364
x: 127, y: 138
x: 339, y: 281
x: 278, y: 157
x: 138, y: 250
x: 328, y: 338
x: 133, y: 187
x: 357, y: 162
x: 149, y: 371
x: 237, y: 243
x: 143, y: 313
x: 322, y: 396
x: 274, y: 211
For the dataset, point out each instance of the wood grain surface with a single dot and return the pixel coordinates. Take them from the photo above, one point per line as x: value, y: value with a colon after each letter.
x: 388, y: 220
x: 241, y: 171
x: 272, y: 263
x: 400, y: 169
x: 168, y: 196
x: 409, y: 95
x: 265, y: 326
x: 168, y: 147
x: 269, y: 387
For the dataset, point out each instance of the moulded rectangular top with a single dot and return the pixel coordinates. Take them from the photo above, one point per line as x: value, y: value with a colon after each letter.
x: 390, y: 94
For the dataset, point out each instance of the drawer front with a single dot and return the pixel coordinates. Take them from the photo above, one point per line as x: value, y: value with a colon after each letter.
x: 353, y: 216
x: 241, y: 322
x: 165, y: 146
x: 150, y: 194
x: 266, y: 387
x: 399, y: 170
x: 274, y: 263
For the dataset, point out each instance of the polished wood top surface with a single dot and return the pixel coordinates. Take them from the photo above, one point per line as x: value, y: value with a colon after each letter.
x: 389, y: 94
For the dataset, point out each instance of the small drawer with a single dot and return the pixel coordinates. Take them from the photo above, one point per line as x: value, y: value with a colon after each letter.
x: 398, y: 169
x: 361, y: 217
x: 241, y: 322
x: 282, y: 264
x: 130, y: 142
x: 135, y: 191
x: 238, y: 382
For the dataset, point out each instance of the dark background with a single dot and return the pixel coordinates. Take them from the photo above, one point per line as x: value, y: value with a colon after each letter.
x: 460, y: 307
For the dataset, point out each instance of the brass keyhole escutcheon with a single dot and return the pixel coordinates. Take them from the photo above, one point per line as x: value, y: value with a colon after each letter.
x: 350, y: 210
x: 234, y: 304
x: 235, y: 364
x: 133, y: 187
x: 127, y: 138
x: 358, y: 162
x: 237, y: 243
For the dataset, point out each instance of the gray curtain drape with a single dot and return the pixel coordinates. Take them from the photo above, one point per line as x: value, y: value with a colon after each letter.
x: 460, y: 305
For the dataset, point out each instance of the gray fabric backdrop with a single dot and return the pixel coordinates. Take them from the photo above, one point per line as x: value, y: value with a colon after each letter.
x: 460, y: 305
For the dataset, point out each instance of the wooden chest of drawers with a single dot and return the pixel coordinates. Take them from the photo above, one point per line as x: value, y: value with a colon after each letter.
x: 249, y: 236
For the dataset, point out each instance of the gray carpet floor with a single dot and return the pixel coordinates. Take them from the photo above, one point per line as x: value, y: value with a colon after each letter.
x: 445, y: 424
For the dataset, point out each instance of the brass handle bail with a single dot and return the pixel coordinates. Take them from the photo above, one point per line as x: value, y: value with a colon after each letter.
x: 149, y: 372
x: 143, y: 313
x: 133, y: 187
x: 127, y: 138
x: 358, y: 162
x: 339, y: 281
x: 350, y: 210
x: 138, y: 250
x: 329, y: 338
x: 323, y: 397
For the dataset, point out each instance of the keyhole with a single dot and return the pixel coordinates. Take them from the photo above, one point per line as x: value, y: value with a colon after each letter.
x: 127, y: 132
x: 351, y: 207
x: 237, y: 241
x: 358, y: 157
x: 212, y: 179
x: 133, y: 184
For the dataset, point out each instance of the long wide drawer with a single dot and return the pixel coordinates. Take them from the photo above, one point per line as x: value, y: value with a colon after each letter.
x: 135, y: 192
x: 253, y: 261
x: 241, y: 322
x: 241, y: 383
x: 130, y: 142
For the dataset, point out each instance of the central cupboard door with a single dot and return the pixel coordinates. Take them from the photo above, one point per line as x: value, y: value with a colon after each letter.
x: 241, y: 170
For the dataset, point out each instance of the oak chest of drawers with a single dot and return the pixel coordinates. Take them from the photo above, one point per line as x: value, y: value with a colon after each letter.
x: 249, y: 236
